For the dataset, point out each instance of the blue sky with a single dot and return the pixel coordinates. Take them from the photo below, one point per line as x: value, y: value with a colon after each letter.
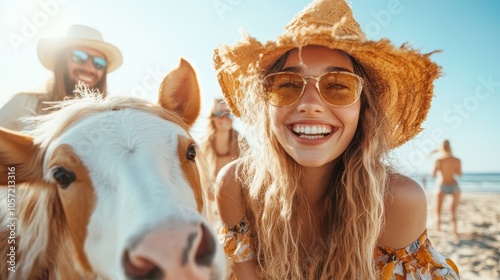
x: 153, y: 35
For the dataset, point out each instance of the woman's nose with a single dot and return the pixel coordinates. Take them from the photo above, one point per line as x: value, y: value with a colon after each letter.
x: 311, y: 98
x: 89, y: 66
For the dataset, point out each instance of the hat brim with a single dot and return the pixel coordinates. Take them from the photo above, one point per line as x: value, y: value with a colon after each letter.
x: 49, y: 48
x: 400, y: 78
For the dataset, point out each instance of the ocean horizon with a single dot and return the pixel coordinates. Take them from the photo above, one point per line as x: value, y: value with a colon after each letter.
x: 468, y: 182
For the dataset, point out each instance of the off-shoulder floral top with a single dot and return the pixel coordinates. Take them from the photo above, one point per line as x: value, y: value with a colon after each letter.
x: 418, y: 260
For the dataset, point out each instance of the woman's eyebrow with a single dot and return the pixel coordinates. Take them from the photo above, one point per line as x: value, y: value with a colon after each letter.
x: 296, y: 69
x: 292, y: 69
x: 337, y: 68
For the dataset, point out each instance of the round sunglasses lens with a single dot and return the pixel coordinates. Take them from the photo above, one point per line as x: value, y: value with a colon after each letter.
x: 339, y: 89
x: 99, y: 62
x: 283, y: 89
x: 79, y: 56
x: 223, y: 114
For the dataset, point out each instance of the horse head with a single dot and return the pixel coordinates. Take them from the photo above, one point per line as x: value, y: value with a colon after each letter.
x: 110, y: 189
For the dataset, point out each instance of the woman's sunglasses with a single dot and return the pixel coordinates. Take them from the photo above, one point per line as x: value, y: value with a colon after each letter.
x: 81, y: 57
x: 339, y: 89
x: 219, y: 114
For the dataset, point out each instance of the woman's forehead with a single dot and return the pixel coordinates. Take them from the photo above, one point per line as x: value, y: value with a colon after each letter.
x: 318, y: 57
x: 221, y: 106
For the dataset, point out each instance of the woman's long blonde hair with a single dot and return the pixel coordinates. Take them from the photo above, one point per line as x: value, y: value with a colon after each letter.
x: 354, y: 208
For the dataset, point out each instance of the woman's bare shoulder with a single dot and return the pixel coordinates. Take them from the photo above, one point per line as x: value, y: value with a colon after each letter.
x: 229, y: 196
x: 405, y: 212
x: 403, y: 188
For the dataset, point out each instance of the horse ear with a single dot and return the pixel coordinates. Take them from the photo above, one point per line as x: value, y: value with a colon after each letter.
x: 17, y: 158
x: 179, y: 92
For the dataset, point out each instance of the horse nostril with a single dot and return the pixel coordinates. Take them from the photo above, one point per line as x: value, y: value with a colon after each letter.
x: 205, y: 252
x: 168, y: 252
x: 139, y: 267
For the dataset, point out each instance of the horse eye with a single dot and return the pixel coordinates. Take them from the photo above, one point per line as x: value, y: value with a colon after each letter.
x: 63, y: 177
x: 191, y: 152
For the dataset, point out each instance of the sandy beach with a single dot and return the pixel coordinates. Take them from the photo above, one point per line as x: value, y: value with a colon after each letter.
x: 476, y: 251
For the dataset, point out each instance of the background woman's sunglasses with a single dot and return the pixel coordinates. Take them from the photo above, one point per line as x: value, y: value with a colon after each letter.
x: 339, y: 89
x: 81, y: 57
x: 225, y: 113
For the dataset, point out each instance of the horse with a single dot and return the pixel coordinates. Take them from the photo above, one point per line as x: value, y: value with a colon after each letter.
x: 109, y: 188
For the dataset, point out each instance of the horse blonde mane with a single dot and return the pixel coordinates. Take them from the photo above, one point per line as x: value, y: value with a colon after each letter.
x: 90, y: 102
x: 43, y: 249
x: 39, y: 251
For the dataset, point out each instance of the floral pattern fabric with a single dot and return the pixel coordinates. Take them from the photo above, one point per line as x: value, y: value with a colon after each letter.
x: 236, y: 242
x: 418, y: 260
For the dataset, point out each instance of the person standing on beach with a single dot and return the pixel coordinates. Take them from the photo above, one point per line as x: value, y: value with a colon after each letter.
x: 448, y: 167
x: 221, y: 145
x: 82, y: 56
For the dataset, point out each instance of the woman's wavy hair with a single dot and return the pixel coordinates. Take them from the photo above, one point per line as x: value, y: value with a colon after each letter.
x: 354, y: 208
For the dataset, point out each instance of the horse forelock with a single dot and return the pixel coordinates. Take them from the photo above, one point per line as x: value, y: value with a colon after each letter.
x: 86, y: 102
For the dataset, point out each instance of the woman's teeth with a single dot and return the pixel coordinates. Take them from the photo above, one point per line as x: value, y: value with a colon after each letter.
x: 311, y: 131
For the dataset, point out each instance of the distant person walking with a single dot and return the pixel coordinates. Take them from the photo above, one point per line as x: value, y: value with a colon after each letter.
x: 447, y: 166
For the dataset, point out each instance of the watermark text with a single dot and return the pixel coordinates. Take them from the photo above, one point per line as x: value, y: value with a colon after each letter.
x: 11, y: 218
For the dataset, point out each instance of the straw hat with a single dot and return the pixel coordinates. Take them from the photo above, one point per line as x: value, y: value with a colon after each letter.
x: 82, y: 36
x: 400, y: 77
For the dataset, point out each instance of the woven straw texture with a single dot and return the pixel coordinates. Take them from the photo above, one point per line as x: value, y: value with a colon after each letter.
x: 401, y: 78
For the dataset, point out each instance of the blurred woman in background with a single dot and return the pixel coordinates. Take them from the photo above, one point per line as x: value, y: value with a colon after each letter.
x: 448, y: 167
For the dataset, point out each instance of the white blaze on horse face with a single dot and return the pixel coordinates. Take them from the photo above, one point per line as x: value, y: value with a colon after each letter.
x: 133, y: 162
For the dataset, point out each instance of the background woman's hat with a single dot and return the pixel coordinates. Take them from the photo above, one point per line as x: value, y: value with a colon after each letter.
x: 401, y: 79
x: 78, y: 35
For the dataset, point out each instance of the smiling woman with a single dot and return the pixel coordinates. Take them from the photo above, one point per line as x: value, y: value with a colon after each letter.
x: 82, y: 56
x: 82, y: 69
x: 314, y: 198
x: 306, y: 138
